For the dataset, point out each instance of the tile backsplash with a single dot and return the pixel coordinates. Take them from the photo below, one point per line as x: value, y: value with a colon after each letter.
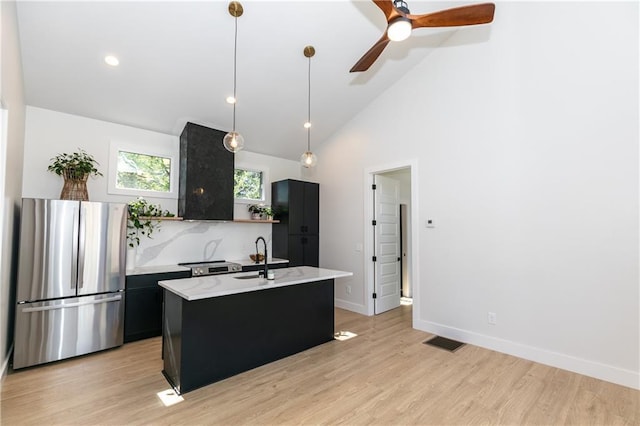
x: 192, y: 241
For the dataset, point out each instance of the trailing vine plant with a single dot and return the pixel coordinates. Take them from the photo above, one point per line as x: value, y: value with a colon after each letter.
x: 141, y: 222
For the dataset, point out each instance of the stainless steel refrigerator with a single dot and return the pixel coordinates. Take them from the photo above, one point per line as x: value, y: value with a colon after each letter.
x: 70, y: 294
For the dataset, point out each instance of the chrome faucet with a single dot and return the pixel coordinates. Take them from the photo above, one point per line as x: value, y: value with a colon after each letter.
x: 266, y: 268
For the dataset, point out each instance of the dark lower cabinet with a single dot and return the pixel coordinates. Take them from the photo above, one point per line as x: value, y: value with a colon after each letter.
x: 303, y: 250
x: 208, y: 340
x: 143, y: 304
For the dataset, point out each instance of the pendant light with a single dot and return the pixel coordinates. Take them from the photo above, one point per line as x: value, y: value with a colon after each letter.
x: 309, y: 159
x: 233, y: 141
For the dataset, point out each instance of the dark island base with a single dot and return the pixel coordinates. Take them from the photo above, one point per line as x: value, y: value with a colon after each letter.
x: 208, y: 340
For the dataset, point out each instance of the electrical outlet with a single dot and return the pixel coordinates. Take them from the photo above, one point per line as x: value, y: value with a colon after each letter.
x: 492, y: 318
x: 348, y: 289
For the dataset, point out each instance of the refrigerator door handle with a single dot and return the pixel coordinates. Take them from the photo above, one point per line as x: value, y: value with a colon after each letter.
x: 74, y: 248
x: 82, y: 245
x: 72, y: 305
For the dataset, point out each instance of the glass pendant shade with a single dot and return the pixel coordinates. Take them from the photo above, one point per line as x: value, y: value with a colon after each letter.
x: 233, y: 141
x: 399, y: 29
x: 308, y: 159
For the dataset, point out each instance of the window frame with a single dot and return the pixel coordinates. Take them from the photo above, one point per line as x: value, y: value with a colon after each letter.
x: 114, y: 149
x: 265, y: 182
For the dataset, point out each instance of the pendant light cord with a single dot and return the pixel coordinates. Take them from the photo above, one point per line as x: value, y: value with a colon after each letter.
x: 309, y: 109
x: 235, y: 60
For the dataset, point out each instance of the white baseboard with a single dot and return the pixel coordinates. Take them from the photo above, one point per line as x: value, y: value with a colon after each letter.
x: 350, y: 306
x: 600, y: 371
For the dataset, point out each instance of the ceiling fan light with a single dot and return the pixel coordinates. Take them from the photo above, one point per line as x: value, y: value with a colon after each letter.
x: 233, y: 141
x: 399, y: 29
x: 308, y: 159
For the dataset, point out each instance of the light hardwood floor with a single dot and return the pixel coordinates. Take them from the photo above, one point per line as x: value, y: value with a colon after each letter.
x: 384, y: 376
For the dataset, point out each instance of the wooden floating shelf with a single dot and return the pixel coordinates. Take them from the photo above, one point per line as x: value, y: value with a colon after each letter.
x: 180, y: 219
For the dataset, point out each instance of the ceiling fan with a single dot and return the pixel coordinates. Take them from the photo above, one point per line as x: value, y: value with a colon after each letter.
x: 400, y: 23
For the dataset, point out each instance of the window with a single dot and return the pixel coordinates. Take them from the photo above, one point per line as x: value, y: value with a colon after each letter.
x: 248, y: 185
x: 141, y: 171
x: 136, y: 170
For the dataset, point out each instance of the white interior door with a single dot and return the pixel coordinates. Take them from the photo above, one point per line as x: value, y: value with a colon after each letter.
x: 387, y: 243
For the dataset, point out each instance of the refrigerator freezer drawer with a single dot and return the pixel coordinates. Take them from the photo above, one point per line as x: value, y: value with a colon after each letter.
x: 59, y: 329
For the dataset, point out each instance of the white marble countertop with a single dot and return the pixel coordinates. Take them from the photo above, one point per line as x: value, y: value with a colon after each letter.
x: 142, y: 270
x: 222, y: 285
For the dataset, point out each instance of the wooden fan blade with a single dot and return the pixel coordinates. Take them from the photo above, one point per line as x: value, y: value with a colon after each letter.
x: 372, y: 54
x: 455, y: 17
x: 387, y: 8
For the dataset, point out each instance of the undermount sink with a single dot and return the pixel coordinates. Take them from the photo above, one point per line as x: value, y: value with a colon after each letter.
x: 247, y: 277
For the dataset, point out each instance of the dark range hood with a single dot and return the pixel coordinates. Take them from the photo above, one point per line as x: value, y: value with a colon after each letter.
x: 206, y: 175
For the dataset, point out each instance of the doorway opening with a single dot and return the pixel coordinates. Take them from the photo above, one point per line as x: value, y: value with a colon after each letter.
x: 391, y: 217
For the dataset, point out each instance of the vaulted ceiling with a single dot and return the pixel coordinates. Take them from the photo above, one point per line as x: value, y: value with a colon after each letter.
x: 176, y: 64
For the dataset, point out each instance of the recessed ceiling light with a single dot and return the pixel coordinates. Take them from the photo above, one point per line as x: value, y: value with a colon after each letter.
x: 111, y: 60
x: 231, y: 100
x: 307, y: 125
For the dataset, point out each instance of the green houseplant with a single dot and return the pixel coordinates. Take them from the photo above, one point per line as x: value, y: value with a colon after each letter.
x: 267, y: 212
x: 260, y: 211
x: 75, y: 168
x: 255, y: 210
x: 141, y: 220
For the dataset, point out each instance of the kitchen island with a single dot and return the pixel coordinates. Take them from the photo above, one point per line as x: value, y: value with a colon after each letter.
x: 217, y: 326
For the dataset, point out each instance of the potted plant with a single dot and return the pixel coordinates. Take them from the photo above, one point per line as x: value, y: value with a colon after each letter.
x: 267, y: 212
x: 260, y: 212
x: 75, y: 168
x: 256, y: 211
x: 141, y: 222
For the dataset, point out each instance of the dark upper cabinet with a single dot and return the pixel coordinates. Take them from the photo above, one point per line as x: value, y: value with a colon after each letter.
x: 296, y: 206
x: 206, y: 175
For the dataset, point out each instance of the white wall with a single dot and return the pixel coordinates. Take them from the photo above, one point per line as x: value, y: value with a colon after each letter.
x: 11, y: 151
x: 49, y: 133
x: 526, y: 136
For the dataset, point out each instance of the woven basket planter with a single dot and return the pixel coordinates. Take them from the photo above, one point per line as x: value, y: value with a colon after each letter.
x: 75, y: 187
